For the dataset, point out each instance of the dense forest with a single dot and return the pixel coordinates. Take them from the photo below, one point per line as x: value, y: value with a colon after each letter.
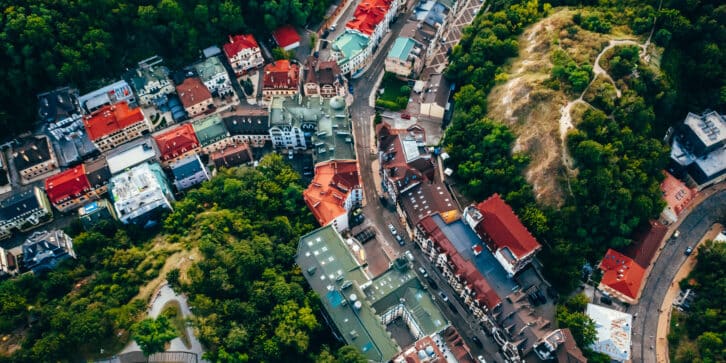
x: 616, y: 148
x: 85, y: 43
x: 701, y: 334
x: 250, y: 302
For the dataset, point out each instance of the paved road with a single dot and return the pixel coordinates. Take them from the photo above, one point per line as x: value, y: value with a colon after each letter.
x: 693, y: 227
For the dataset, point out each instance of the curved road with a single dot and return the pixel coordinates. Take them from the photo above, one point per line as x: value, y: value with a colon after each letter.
x: 671, y: 257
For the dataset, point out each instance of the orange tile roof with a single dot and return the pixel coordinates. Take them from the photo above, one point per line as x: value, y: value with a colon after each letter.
x: 281, y: 75
x: 504, y: 228
x: 676, y: 194
x: 238, y: 43
x: 330, y: 187
x: 176, y: 141
x: 111, y: 118
x: 368, y: 15
x: 621, y: 273
x: 67, y: 184
x: 192, y: 91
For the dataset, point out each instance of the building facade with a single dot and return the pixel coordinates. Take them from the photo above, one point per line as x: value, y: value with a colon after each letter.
x: 24, y: 211
x: 323, y: 78
x: 188, y: 172
x: 113, y: 125
x: 252, y: 129
x: 177, y: 143
x: 151, y: 81
x: 243, y: 53
x: 212, y: 134
x: 34, y: 157
x: 280, y: 79
x: 214, y: 76
x: 194, y: 96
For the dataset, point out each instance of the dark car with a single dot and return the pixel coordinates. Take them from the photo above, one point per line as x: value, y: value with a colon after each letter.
x: 606, y: 300
x: 432, y: 283
x: 476, y: 341
x: 400, y: 240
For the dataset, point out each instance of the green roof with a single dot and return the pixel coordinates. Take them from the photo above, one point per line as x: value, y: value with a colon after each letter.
x: 336, y: 275
x: 401, y: 48
x: 400, y: 286
x: 209, y: 68
x: 332, y: 138
x: 349, y: 44
x: 210, y: 130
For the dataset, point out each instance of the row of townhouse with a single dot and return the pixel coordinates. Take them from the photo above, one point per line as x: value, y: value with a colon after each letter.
x: 478, y: 253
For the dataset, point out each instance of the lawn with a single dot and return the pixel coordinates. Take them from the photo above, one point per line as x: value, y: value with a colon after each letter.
x: 395, y: 93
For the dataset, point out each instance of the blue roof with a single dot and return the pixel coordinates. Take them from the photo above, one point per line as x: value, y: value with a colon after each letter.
x: 463, y: 238
x: 186, y: 167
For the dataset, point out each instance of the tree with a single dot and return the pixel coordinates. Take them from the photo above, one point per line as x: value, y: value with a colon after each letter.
x: 349, y: 354
x: 247, y: 86
x: 153, y: 334
x: 581, y: 326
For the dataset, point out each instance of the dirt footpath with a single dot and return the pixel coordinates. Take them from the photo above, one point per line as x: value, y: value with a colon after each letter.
x: 664, y: 319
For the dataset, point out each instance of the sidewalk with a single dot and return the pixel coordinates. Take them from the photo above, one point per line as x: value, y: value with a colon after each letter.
x: 664, y: 316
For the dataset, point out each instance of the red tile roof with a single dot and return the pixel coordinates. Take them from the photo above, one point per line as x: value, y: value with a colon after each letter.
x: 67, y: 184
x: 646, y: 243
x: 192, y: 91
x: 285, y: 35
x: 368, y: 15
x: 281, y: 75
x: 676, y: 194
x: 504, y: 228
x: 232, y: 156
x: 333, y: 182
x: 621, y: 273
x: 111, y: 118
x: 176, y: 142
x: 238, y: 43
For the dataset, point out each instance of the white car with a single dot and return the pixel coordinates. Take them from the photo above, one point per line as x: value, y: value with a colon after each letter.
x: 392, y: 229
x: 481, y: 359
x: 409, y: 255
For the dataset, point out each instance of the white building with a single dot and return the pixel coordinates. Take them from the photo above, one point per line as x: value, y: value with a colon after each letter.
x: 189, y: 172
x: 243, y: 53
x: 214, y: 76
x: 140, y: 193
x: 614, y: 330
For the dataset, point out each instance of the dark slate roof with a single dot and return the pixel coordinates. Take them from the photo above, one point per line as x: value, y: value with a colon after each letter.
x: 41, y: 254
x: 186, y: 167
x: 32, y: 151
x: 98, y: 172
x: 255, y: 124
x: 18, y: 204
x: 57, y: 104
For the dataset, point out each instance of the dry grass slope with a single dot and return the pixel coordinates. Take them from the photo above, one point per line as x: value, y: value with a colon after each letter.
x: 531, y: 109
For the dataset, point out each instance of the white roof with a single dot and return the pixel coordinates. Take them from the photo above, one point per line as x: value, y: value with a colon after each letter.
x: 129, y: 158
x: 614, y: 331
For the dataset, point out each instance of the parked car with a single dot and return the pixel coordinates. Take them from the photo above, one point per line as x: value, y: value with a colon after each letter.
x: 689, y: 250
x: 443, y: 296
x: 606, y: 300
x: 406, y: 116
x: 400, y: 240
x: 392, y: 229
x: 409, y: 255
x: 476, y: 341
x: 481, y: 359
x: 432, y: 283
x: 423, y: 272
